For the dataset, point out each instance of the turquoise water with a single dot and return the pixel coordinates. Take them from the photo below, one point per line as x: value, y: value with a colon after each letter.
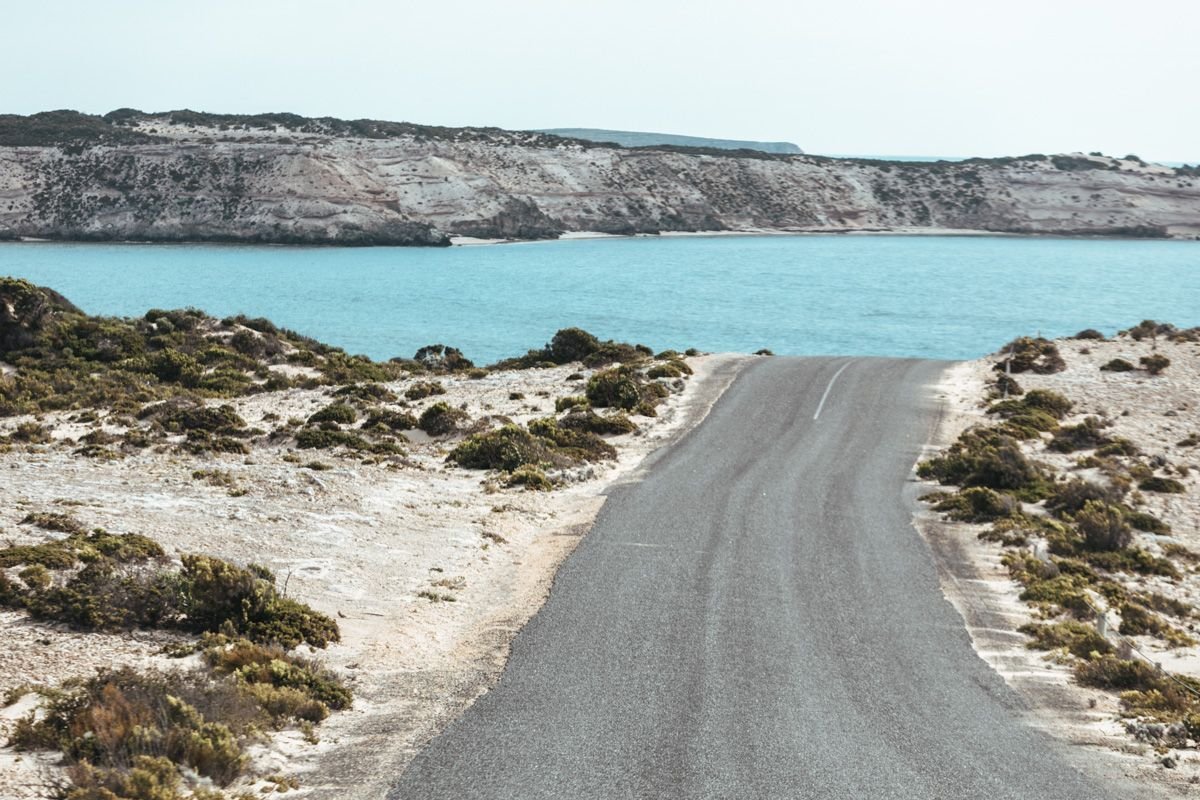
x: 942, y: 297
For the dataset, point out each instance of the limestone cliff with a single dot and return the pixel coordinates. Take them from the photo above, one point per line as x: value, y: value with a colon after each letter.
x: 278, y: 178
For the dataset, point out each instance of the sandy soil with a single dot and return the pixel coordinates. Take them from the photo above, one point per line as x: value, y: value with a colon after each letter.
x: 1156, y: 413
x: 359, y: 542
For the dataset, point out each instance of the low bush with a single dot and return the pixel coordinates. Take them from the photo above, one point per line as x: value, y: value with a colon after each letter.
x: 571, y: 344
x: 367, y: 393
x: 1070, y: 497
x: 1154, y: 364
x: 1103, y: 526
x: 53, y: 521
x: 1048, y: 587
x: 422, y: 389
x: 507, y: 449
x: 982, y: 457
x: 577, y: 444
x: 321, y: 439
x: 339, y: 413
x: 254, y: 663
x: 568, y: 403
x: 1111, y: 672
x: 979, y: 504
x: 531, y: 477
x: 217, y: 595
x: 624, y: 388
x: 120, y: 721
x: 1087, y: 435
x: 1027, y: 354
x: 591, y: 422
x: 1089, y: 333
x: 440, y: 358
x: 1137, y: 620
x: 1078, y: 638
x: 392, y: 420
x: 1161, y: 485
x: 1117, y: 365
x: 441, y: 419
x: 1149, y: 523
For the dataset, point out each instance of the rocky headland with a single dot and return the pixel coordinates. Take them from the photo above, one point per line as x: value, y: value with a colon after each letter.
x: 281, y: 178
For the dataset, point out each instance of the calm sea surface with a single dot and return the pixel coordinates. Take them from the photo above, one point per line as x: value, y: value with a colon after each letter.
x: 942, y: 297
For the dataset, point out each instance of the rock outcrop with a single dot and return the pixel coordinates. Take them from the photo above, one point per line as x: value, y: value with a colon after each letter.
x: 184, y: 176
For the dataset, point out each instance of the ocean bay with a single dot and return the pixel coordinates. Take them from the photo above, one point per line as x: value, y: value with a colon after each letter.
x: 920, y: 296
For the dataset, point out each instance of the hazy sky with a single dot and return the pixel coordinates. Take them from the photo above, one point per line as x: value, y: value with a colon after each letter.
x: 923, y: 77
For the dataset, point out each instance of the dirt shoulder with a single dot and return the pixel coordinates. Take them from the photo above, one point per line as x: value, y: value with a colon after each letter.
x: 1158, y: 414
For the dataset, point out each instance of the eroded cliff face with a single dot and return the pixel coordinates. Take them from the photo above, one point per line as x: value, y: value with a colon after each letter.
x: 198, y: 183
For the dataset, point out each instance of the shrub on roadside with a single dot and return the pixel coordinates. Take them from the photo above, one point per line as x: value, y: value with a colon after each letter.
x: 1078, y: 638
x: 1103, y: 526
x: 1117, y: 365
x: 507, y: 448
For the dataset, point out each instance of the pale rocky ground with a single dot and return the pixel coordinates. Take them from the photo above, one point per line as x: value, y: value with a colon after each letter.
x: 358, y: 542
x: 1154, y: 412
x: 282, y: 185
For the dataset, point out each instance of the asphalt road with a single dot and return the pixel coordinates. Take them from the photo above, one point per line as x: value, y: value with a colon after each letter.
x: 757, y: 618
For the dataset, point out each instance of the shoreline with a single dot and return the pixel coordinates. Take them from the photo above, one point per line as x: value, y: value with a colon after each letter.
x: 569, y: 236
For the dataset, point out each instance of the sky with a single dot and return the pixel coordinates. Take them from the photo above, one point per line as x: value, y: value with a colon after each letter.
x: 867, y: 77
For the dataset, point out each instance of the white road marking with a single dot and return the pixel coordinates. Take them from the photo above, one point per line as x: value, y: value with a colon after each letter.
x: 825, y: 396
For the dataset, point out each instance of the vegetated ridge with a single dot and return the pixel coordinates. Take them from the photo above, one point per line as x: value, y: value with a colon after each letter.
x: 646, y: 139
x: 282, y: 178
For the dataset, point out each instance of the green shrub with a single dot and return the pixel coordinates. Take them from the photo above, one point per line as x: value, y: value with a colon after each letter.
x: 53, y: 521
x: 617, y: 353
x: 507, y: 449
x: 620, y: 387
x: 1137, y: 620
x: 1077, y: 638
x: 531, y: 477
x: 440, y: 358
x: 1089, y: 333
x: 319, y: 439
x: 1117, y: 365
x: 571, y: 344
x: 216, y: 594
x: 1154, y: 364
x: 576, y: 444
x: 367, y: 393
x: 1087, y: 435
x: 30, y: 433
x: 1147, y: 522
x: 1157, y: 483
x: 1007, y: 384
x: 1103, y: 526
x: 393, y: 420
x: 1027, y: 354
x: 422, y: 389
x: 982, y: 457
x: 1118, y: 446
x: 1070, y: 497
x: 254, y: 663
x: 339, y: 413
x: 591, y: 422
x: 1110, y: 672
x: 979, y: 504
x: 441, y: 419
x: 567, y: 403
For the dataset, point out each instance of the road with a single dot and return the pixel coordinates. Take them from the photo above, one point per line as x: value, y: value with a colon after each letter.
x: 757, y: 618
